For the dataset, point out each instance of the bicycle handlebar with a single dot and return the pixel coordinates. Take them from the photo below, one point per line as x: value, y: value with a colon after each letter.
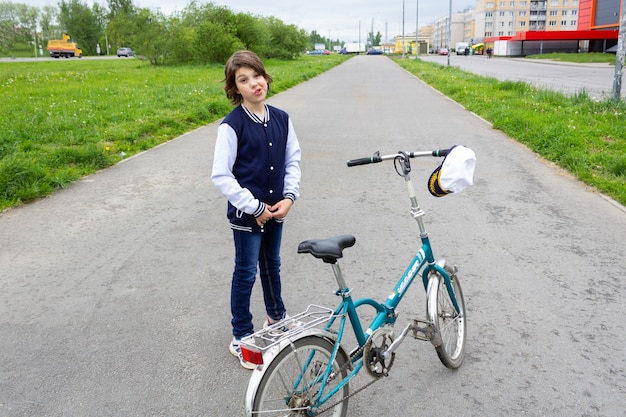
x: 378, y: 158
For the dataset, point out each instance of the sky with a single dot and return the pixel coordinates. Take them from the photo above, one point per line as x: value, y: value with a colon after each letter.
x: 334, y: 19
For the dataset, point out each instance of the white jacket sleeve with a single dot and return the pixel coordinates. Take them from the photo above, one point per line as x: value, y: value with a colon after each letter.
x: 292, y: 165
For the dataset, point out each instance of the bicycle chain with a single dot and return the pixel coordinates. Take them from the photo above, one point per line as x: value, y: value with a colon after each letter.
x: 356, y: 353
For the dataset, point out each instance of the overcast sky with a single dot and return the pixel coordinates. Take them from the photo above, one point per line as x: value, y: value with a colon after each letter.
x: 339, y: 18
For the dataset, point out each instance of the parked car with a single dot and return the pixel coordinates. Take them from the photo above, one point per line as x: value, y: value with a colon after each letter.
x: 375, y: 52
x: 127, y: 52
x: 443, y: 51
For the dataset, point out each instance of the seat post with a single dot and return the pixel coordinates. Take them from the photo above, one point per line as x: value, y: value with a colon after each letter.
x: 339, y: 276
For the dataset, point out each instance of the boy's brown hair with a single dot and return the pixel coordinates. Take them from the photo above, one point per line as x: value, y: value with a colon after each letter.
x: 238, y: 60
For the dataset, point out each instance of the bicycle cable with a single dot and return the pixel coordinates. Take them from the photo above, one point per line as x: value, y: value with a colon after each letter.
x: 402, y: 159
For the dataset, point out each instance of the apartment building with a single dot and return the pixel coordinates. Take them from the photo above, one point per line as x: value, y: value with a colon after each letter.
x: 520, y: 27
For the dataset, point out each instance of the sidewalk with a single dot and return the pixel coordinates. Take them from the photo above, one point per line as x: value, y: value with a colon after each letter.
x: 114, y: 293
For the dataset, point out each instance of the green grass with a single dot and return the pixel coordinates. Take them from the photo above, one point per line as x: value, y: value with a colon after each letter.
x: 583, y: 58
x: 22, y: 50
x: 586, y: 137
x: 65, y: 119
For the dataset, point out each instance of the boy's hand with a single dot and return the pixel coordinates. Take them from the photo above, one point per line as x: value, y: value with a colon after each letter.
x: 265, y: 217
x: 279, y: 210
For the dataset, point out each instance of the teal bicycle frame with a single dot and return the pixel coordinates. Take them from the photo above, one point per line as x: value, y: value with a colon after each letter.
x: 424, y: 260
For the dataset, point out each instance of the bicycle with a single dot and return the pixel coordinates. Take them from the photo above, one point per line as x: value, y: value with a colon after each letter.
x: 303, y: 368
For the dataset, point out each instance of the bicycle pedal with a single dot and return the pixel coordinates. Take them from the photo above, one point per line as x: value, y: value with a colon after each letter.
x: 422, y: 330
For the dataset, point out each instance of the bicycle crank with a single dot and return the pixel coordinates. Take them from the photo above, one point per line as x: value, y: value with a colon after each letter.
x: 377, y: 359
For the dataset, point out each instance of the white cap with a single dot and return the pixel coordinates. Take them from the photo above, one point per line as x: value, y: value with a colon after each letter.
x: 455, y: 173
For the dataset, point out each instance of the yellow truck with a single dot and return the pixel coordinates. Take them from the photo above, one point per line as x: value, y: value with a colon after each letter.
x: 64, y: 48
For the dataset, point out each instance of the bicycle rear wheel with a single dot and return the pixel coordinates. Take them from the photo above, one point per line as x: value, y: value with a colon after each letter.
x: 293, y: 379
x: 447, y: 321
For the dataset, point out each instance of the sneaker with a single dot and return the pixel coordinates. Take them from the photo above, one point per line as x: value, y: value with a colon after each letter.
x: 268, y: 322
x: 236, y: 351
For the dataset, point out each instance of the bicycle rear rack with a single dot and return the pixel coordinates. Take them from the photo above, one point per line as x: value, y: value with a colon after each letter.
x: 288, y: 328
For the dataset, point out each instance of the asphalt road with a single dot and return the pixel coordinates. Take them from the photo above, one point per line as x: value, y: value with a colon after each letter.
x: 594, y: 79
x: 114, y: 293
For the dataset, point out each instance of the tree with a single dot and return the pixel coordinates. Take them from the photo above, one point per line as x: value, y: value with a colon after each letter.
x: 287, y: 41
x: 47, y: 20
x: 82, y: 24
x: 150, y: 38
x: 28, y: 16
x: 214, y: 43
x: 9, y: 23
x: 253, y: 33
x: 374, y: 40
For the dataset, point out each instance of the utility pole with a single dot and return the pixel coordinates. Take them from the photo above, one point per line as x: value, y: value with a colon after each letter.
x: 403, y: 37
x: 449, y: 30
x: 619, y: 56
x: 417, y: 28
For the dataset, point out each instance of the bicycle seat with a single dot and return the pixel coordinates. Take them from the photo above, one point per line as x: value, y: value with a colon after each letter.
x: 329, y: 250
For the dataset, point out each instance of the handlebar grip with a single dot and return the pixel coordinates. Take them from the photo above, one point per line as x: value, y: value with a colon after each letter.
x: 359, y: 161
x: 441, y: 152
x: 364, y: 161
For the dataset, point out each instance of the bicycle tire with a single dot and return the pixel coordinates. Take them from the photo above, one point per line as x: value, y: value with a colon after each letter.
x: 284, y: 390
x: 449, y: 324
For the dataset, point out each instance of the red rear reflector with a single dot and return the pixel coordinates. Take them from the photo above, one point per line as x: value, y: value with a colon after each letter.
x: 251, y: 355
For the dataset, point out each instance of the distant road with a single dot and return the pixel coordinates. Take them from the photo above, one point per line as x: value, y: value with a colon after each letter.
x: 42, y: 59
x: 570, y: 78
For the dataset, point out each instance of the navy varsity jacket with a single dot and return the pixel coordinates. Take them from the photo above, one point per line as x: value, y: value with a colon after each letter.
x: 256, y: 163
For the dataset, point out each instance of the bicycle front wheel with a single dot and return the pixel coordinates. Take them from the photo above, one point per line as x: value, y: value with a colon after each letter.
x: 293, y: 380
x: 449, y: 323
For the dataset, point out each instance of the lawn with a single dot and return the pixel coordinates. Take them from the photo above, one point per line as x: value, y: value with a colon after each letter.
x: 70, y: 118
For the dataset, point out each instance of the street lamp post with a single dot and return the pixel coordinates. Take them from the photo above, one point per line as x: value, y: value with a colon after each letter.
x: 619, y: 56
x: 403, y: 37
x: 449, y: 29
x: 417, y: 11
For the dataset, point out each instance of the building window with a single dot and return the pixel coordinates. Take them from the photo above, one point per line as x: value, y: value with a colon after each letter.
x: 522, y: 23
x: 512, y: 4
x: 500, y: 33
x: 488, y: 34
x: 553, y: 12
x: 564, y: 2
x: 502, y: 3
x: 554, y: 3
x: 522, y: 13
x: 563, y: 12
x: 501, y: 14
x: 501, y: 24
x: 574, y: 2
x: 552, y: 23
x: 489, y: 5
x: 573, y: 23
x: 574, y: 12
x: 563, y: 22
x: 522, y: 4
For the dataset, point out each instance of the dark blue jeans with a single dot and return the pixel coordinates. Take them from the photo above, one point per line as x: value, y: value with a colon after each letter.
x: 252, y: 250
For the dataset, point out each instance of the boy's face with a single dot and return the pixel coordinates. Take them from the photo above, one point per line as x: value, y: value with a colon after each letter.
x: 251, y: 85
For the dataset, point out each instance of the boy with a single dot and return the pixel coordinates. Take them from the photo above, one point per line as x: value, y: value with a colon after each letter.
x: 257, y: 167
